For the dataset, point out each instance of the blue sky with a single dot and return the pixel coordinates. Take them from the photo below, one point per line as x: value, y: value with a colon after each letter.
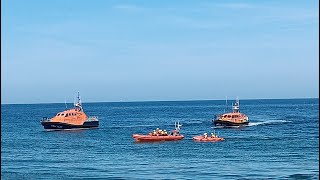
x: 158, y: 50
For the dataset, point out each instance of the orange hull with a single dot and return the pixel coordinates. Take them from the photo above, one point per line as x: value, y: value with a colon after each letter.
x: 208, y: 139
x: 149, y: 138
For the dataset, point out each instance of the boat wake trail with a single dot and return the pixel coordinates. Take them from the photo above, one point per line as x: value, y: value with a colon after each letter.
x: 269, y: 122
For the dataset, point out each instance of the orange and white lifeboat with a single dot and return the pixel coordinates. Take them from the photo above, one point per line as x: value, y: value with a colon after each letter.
x: 70, y: 119
x: 234, y: 118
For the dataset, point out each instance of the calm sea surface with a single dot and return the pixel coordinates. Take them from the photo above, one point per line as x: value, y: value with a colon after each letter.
x: 281, y: 142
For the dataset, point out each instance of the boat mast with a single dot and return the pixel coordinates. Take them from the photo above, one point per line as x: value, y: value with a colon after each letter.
x: 78, y: 105
x: 235, y: 107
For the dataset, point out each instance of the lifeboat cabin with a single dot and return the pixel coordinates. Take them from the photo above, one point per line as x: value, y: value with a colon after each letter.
x: 234, y: 118
x: 70, y: 119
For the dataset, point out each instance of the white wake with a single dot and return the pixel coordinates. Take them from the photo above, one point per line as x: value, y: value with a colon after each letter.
x: 267, y: 122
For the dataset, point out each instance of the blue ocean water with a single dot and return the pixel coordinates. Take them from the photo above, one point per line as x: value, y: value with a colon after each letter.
x: 281, y: 142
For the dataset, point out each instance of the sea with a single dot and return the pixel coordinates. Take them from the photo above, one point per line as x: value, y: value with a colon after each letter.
x: 280, y: 142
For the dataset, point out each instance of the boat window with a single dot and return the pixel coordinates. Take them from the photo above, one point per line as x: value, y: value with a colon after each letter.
x: 58, y: 114
x: 229, y: 116
x: 233, y: 116
x: 62, y: 114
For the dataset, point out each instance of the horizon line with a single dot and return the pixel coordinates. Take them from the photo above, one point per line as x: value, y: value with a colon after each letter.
x: 137, y: 101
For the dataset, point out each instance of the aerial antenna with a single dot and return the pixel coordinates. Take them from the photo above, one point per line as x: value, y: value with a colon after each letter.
x: 65, y: 102
x: 226, y: 104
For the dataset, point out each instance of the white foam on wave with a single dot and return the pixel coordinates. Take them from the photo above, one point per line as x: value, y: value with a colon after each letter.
x: 220, y: 127
x: 267, y: 122
x: 255, y: 124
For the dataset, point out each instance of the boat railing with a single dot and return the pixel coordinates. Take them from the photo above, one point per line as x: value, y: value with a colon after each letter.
x: 45, y: 119
x: 92, y: 118
x: 217, y: 116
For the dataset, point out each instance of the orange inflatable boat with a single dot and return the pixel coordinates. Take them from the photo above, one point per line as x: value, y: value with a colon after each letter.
x: 207, y: 139
x: 160, y: 135
x: 151, y: 138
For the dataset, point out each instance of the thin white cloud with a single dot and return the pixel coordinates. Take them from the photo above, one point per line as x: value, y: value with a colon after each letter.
x: 235, y: 5
x: 195, y: 23
x: 128, y: 7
